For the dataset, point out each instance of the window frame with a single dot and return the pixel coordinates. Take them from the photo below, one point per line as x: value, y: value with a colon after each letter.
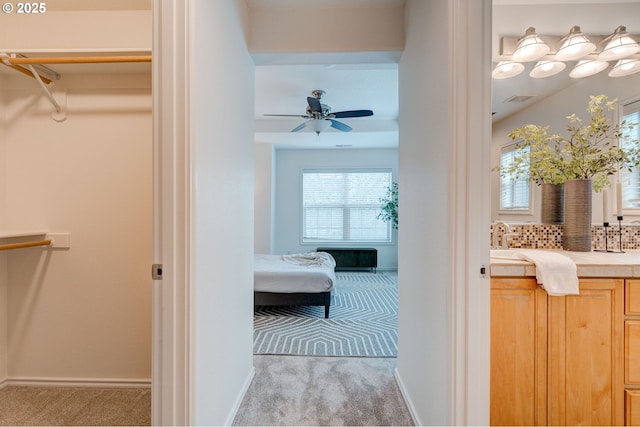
x: 626, y: 107
x: 529, y: 211
x: 343, y: 243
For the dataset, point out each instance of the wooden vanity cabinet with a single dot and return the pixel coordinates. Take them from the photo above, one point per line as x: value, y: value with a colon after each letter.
x: 557, y: 360
x: 632, y: 352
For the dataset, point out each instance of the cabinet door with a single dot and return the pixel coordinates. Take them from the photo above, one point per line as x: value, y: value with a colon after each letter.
x: 518, y: 352
x: 632, y: 408
x: 632, y: 352
x: 586, y: 377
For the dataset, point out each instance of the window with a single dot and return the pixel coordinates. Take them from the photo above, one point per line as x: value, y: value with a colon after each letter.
x: 514, y: 190
x: 343, y: 205
x: 631, y: 180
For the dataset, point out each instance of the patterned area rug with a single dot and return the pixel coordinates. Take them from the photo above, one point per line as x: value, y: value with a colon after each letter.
x: 363, y: 321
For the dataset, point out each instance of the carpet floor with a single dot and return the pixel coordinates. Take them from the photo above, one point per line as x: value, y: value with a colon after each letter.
x: 363, y: 321
x: 323, y: 391
x: 71, y: 406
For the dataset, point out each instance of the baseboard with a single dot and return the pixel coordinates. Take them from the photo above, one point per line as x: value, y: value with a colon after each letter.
x: 3, y: 383
x: 407, y: 399
x: 243, y: 392
x: 77, y: 382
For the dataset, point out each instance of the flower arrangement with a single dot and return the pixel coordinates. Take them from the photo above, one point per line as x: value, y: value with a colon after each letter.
x: 590, y: 151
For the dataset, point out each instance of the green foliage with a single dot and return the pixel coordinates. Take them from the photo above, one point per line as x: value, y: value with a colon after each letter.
x: 591, y: 151
x: 389, y: 208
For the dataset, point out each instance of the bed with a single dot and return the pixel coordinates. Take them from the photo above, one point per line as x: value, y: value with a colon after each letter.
x: 297, y: 279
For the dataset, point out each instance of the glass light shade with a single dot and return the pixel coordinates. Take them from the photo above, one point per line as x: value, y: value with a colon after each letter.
x: 574, y: 46
x: 620, y: 45
x: 530, y: 47
x: 506, y: 69
x: 321, y: 125
x: 625, y: 67
x: 587, y: 68
x: 547, y: 69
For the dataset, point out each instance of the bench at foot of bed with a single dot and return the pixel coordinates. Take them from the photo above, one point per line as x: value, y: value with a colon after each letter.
x: 288, y: 299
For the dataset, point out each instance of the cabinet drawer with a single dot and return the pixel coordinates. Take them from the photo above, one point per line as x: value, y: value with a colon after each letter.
x: 632, y: 407
x: 632, y: 351
x: 632, y: 296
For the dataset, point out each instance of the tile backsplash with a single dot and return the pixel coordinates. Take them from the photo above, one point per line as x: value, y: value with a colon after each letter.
x: 549, y: 236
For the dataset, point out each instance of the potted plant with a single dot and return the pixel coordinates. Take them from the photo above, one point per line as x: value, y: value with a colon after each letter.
x: 389, y: 208
x: 583, y: 161
x: 537, y: 159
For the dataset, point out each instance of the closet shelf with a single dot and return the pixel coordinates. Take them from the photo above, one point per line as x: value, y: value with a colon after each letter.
x: 7, y: 234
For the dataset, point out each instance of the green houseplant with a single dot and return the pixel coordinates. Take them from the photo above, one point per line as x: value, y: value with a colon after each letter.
x: 583, y: 160
x: 389, y: 208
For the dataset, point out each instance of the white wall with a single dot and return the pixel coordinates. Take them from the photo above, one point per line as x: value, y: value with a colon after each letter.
x: 288, y: 193
x: 3, y: 257
x: 81, y: 314
x: 264, y: 171
x: 425, y: 355
x: 552, y: 111
x: 222, y: 142
x: 443, y: 357
x: 305, y: 29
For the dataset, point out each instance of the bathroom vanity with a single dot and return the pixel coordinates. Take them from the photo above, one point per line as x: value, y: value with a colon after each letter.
x: 566, y: 360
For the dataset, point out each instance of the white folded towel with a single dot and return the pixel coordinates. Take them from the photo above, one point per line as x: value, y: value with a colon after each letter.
x: 557, y: 273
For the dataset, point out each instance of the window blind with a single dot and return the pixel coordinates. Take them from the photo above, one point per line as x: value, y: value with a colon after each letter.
x: 514, y: 191
x: 343, y: 205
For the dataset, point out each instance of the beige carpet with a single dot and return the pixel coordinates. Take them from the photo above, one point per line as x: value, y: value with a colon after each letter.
x: 321, y: 391
x: 55, y: 406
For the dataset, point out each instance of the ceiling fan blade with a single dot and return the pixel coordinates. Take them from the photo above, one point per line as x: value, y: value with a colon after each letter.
x: 299, y: 127
x: 304, y: 116
x: 353, y: 113
x: 340, y: 126
x: 314, y: 104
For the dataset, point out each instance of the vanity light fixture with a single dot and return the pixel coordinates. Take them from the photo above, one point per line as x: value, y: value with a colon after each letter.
x: 625, y: 67
x: 619, y: 44
x: 547, y: 69
x: 574, y: 45
x: 587, y: 68
x: 530, y: 47
x: 506, y: 69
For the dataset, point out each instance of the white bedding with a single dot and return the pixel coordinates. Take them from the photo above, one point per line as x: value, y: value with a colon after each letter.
x: 310, y: 273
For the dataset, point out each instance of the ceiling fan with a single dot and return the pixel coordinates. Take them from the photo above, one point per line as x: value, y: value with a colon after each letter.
x: 320, y: 117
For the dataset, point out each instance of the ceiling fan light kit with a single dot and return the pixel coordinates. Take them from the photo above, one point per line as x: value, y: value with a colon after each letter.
x: 320, y: 118
x: 575, y: 46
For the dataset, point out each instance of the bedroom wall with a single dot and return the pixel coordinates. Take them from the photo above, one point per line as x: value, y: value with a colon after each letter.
x: 289, y: 164
x: 552, y: 111
x: 264, y: 180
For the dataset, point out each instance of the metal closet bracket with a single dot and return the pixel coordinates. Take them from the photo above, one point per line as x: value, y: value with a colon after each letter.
x: 60, y: 112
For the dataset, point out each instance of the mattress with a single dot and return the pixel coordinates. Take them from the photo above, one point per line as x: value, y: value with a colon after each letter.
x: 309, y: 273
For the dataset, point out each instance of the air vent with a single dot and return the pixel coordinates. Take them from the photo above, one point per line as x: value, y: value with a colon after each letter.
x: 519, y: 98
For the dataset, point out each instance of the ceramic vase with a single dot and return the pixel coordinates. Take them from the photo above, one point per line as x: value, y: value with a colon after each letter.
x: 576, y: 235
x: 552, y: 204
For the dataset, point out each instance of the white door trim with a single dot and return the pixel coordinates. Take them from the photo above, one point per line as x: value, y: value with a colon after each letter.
x: 171, y: 383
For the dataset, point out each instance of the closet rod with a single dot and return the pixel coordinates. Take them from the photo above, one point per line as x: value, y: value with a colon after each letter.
x: 24, y: 245
x: 78, y: 59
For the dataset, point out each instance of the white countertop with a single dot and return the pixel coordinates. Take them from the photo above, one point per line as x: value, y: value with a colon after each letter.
x: 590, y: 264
